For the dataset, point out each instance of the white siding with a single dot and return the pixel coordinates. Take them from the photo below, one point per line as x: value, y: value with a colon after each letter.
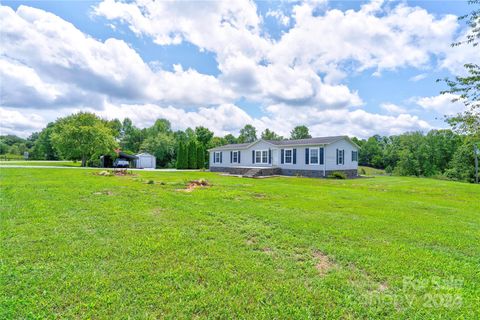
x: 331, y: 156
x: 245, y: 156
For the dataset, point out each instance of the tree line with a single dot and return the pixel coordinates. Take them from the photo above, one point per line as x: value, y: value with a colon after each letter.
x: 85, y: 137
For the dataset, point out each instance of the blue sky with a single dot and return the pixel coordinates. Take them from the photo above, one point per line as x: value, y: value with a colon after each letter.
x: 340, y: 67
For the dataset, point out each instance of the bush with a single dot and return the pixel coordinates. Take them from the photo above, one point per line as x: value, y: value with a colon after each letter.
x: 337, y: 175
x: 362, y: 171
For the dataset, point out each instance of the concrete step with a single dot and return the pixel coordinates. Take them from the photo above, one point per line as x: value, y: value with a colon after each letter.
x: 252, y: 173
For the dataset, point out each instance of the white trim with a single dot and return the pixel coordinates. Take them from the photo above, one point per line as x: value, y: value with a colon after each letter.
x: 235, y: 152
x: 310, y: 156
x: 356, y: 155
x: 261, y: 156
x: 285, y: 156
x: 342, y: 153
x: 215, y: 153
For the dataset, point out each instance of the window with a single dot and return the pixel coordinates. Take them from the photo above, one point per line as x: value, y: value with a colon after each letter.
x: 261, y: 156
x: 341, y: 156
x: 217, y: 157
x: 354, y: 155
x: 288, y: 156
x: 314, y: 156
x: 264, y: 156
x: 235, y: 157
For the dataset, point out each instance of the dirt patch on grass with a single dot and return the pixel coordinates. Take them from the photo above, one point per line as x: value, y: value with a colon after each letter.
x: 194, y: 184
x: 323, y: 263
x: 105, y: 192
x: 267, y: 250
x: 157, y: 211
x: 110, y: 173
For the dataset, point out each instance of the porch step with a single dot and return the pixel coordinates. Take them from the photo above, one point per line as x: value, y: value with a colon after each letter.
x: 252, y: 173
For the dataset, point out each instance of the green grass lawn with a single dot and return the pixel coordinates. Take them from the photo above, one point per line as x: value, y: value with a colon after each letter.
x: 369, y: 171
x: 60, y: 163
x: 79, y: 245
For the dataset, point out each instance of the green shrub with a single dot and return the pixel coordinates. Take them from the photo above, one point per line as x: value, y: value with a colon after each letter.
x: 337, y: 175
x: 362, y: 171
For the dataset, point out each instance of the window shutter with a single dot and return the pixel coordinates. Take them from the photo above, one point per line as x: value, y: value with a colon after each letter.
x: 337, y: 156
x: 321, y: 156
x: 343, y: 156
x: 231, y: 155
x: 213, y: 157
x: 253, y: 156
x: 270, y: 156
x: 294, y: 156
x: 353, y: 157
x: 221, y: 156
x: 238, y: 156
x: 282, y: 154
x: 307, y: 156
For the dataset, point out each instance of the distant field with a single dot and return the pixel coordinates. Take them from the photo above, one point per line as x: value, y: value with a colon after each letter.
x: 79, y: 245
x: 369, y: 171
x: 40, y: 163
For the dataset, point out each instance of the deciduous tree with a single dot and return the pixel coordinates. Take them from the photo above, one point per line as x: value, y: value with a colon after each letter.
x: 82, y: 136
x: 300, y: 132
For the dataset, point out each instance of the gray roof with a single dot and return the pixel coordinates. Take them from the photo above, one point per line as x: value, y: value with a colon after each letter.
x: 318, y: 140
x: 232, y: 146
x: 298, y: 142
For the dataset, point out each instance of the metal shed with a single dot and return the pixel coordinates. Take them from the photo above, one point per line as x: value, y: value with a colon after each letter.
x: 145, y: 161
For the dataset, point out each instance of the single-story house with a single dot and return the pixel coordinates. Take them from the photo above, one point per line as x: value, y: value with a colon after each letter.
x: 314, y: 157
x: 145, y: 161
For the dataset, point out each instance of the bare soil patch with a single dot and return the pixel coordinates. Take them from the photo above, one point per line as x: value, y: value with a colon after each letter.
x: 194, y: 184
x: 323, y: 263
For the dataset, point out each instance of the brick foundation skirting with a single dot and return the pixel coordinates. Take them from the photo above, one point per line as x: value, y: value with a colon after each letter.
x: 286, y: 172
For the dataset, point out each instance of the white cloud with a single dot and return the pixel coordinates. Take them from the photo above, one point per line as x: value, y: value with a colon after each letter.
x: 69, y: 68
x: 18, y: 123
x: 280, y: 16
x: 393, y: 108
x: 229, y: 118
x: 441, y: 104
x: 218, y: 26
x: 357, y: 122
x: 418, y: 77
x: 48, y: 64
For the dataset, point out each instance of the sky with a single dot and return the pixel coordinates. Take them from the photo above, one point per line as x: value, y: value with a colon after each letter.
x: 354, y: 68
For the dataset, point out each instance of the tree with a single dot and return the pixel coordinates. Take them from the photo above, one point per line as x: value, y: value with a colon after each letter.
x: 203, y: 135
x: 131, y: 138
x: 466, y: 88
x: 192, y: 155
x: 247, y: 134
x: 200, y: 156
x: 300, y: 132
x: 162, y: 146
x: 462, y: 166
x: 82, y: 136
x: 180, y: 156
x: 3, y: 147
x: 160, y: 126
x: 267, y: 134
x: 217, y: 142
x: 116, y: 126
x: 43, y: 147
x: 230, y: 138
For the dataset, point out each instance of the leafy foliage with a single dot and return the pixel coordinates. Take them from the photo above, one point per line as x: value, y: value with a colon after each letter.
x: 82, y: 136
x: 247, y: 134
x: 268, y: 134
x: 467, y: 87
x: 300, y: 132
